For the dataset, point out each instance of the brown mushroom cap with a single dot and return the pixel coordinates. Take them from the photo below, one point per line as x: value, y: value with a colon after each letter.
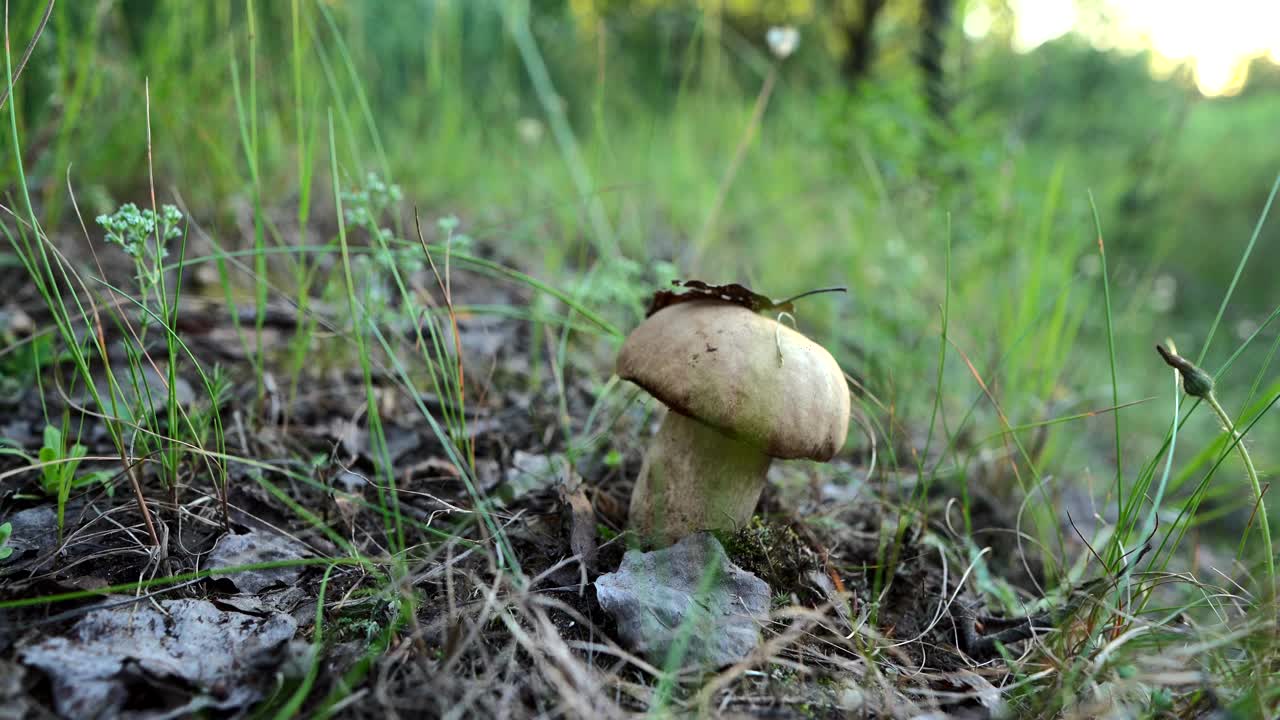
x: 718, y: 362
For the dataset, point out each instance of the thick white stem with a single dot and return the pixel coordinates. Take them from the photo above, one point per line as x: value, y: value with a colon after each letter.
x: 695, y: 477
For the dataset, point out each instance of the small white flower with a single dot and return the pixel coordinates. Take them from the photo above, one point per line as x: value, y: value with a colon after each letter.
x: 782, y: 40
x: 529, y: 129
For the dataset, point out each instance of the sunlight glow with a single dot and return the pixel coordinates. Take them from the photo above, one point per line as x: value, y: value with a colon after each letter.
x: 1217, y: 39
x: 1040, y: 21
x: 977, y: 22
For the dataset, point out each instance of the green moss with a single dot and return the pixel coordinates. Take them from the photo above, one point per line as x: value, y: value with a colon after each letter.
x: 774, y: 552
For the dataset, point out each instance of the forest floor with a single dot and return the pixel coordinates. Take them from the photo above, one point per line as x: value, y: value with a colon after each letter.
x: 318, y: 584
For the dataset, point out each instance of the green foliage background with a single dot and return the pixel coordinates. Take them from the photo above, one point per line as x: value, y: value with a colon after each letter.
x: 847, y: 181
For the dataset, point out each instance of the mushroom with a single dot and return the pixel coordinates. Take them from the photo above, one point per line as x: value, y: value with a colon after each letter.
x: 741, y: 389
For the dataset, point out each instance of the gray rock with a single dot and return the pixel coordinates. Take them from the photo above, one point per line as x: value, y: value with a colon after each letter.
x: 689, y: 594
x: 252, y: 548
x: 529, y: 473
x: 13, y: 701
x: 124, y: 661
x: 35, y: 536
x: 35, y: 531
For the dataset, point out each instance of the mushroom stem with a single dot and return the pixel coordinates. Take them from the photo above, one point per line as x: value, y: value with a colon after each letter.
x: 694, y: 478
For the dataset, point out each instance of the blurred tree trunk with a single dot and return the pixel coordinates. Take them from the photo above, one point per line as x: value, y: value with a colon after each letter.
x: 860, y: 35
x: 935, y: 18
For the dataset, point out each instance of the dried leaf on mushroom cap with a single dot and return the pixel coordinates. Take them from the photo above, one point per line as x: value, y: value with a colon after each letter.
x: 732, y: 293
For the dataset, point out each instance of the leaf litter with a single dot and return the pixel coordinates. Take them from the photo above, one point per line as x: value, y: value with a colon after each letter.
x: 167, y: 660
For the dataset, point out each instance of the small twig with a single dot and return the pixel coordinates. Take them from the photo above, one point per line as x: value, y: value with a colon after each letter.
x: 26, y: 55
x: 807, y: 293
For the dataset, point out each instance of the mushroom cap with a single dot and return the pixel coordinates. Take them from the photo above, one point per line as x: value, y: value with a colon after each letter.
x: 718, y: 362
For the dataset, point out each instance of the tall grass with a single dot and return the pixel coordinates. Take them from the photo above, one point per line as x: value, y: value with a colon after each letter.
x: 601, y: 196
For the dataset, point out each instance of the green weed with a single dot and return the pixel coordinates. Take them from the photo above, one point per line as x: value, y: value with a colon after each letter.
x: 6, y: 531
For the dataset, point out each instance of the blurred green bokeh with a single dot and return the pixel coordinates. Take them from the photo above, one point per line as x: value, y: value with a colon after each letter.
x: 888, y: 131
